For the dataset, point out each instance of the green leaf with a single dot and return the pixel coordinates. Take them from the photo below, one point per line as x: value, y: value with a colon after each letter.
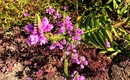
x: 115, y: 5
x: 107, y: 33
x: 114, y: 31
x: 114, y: 54
x: 110, y: 49
x: 87, y: 23
x: 123, y: 10
x: 96, y: 23
x: 92, y: 41
x: 119, y: 0
x: 96, y: 39
x: 108, y: 7
x: 108, y: 2
x: 101, y: 39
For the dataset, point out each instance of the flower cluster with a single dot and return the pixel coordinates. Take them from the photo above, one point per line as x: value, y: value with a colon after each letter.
x: 37, y: 34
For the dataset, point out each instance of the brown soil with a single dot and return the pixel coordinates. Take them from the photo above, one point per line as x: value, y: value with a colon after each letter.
x: 19, y: 61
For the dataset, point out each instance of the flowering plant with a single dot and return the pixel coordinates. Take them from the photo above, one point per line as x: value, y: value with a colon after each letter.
x: 61, y: 33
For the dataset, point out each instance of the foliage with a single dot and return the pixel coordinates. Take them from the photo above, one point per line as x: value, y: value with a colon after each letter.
x: 12, y: 12
x: 99, y: 25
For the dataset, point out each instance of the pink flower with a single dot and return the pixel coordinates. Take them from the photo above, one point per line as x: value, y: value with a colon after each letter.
x: 83, y: 58
x: 39, y: 74
x: 52, y: 46
x: 76, y: 38
x: 67, y: 53
x: 68, y: 24
x: 59, y: 23
x: 45, y: 22
x: 46, y: 26
x: 80, y: 77
x: 65, y: 7
x: 61, y: 30
x: 63, y: 42
x: 68, y: 46
x: 85, y: 62
x: 108, y: 44
x: 81, y: 66
x: 57, y: 16
x: 26, y: 13
x: 50, y: 10
x: 29, y: 78
x: 79, y: 31
x: 33, y: 39
x: 43, y: 40
x: 29, y: 28
x: 59, y: 45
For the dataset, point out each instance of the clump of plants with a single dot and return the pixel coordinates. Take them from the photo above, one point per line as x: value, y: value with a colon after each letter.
x: 58, y: 31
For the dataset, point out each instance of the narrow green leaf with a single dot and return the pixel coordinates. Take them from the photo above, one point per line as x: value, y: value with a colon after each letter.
x: 96, y: 39
x: 114, y: 31
x: 123, y: 10
x: 97, y: 23
x: 107, y: 33
x: 115, y: 5
x: 101, y: 39
x: 108, y: 2
x: 87, y: 25
x: 114, y: 54
x: 92, y: 41
x: 108, y: 7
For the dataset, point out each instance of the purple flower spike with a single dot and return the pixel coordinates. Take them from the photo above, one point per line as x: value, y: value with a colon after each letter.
x: 73, y: 46
x: 50, y: 10
x: 29, y: 28
x: 68, y: 23
x: 70, y: 32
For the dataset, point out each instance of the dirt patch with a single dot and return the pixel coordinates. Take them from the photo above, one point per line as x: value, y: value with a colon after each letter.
x: 19, y: 61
